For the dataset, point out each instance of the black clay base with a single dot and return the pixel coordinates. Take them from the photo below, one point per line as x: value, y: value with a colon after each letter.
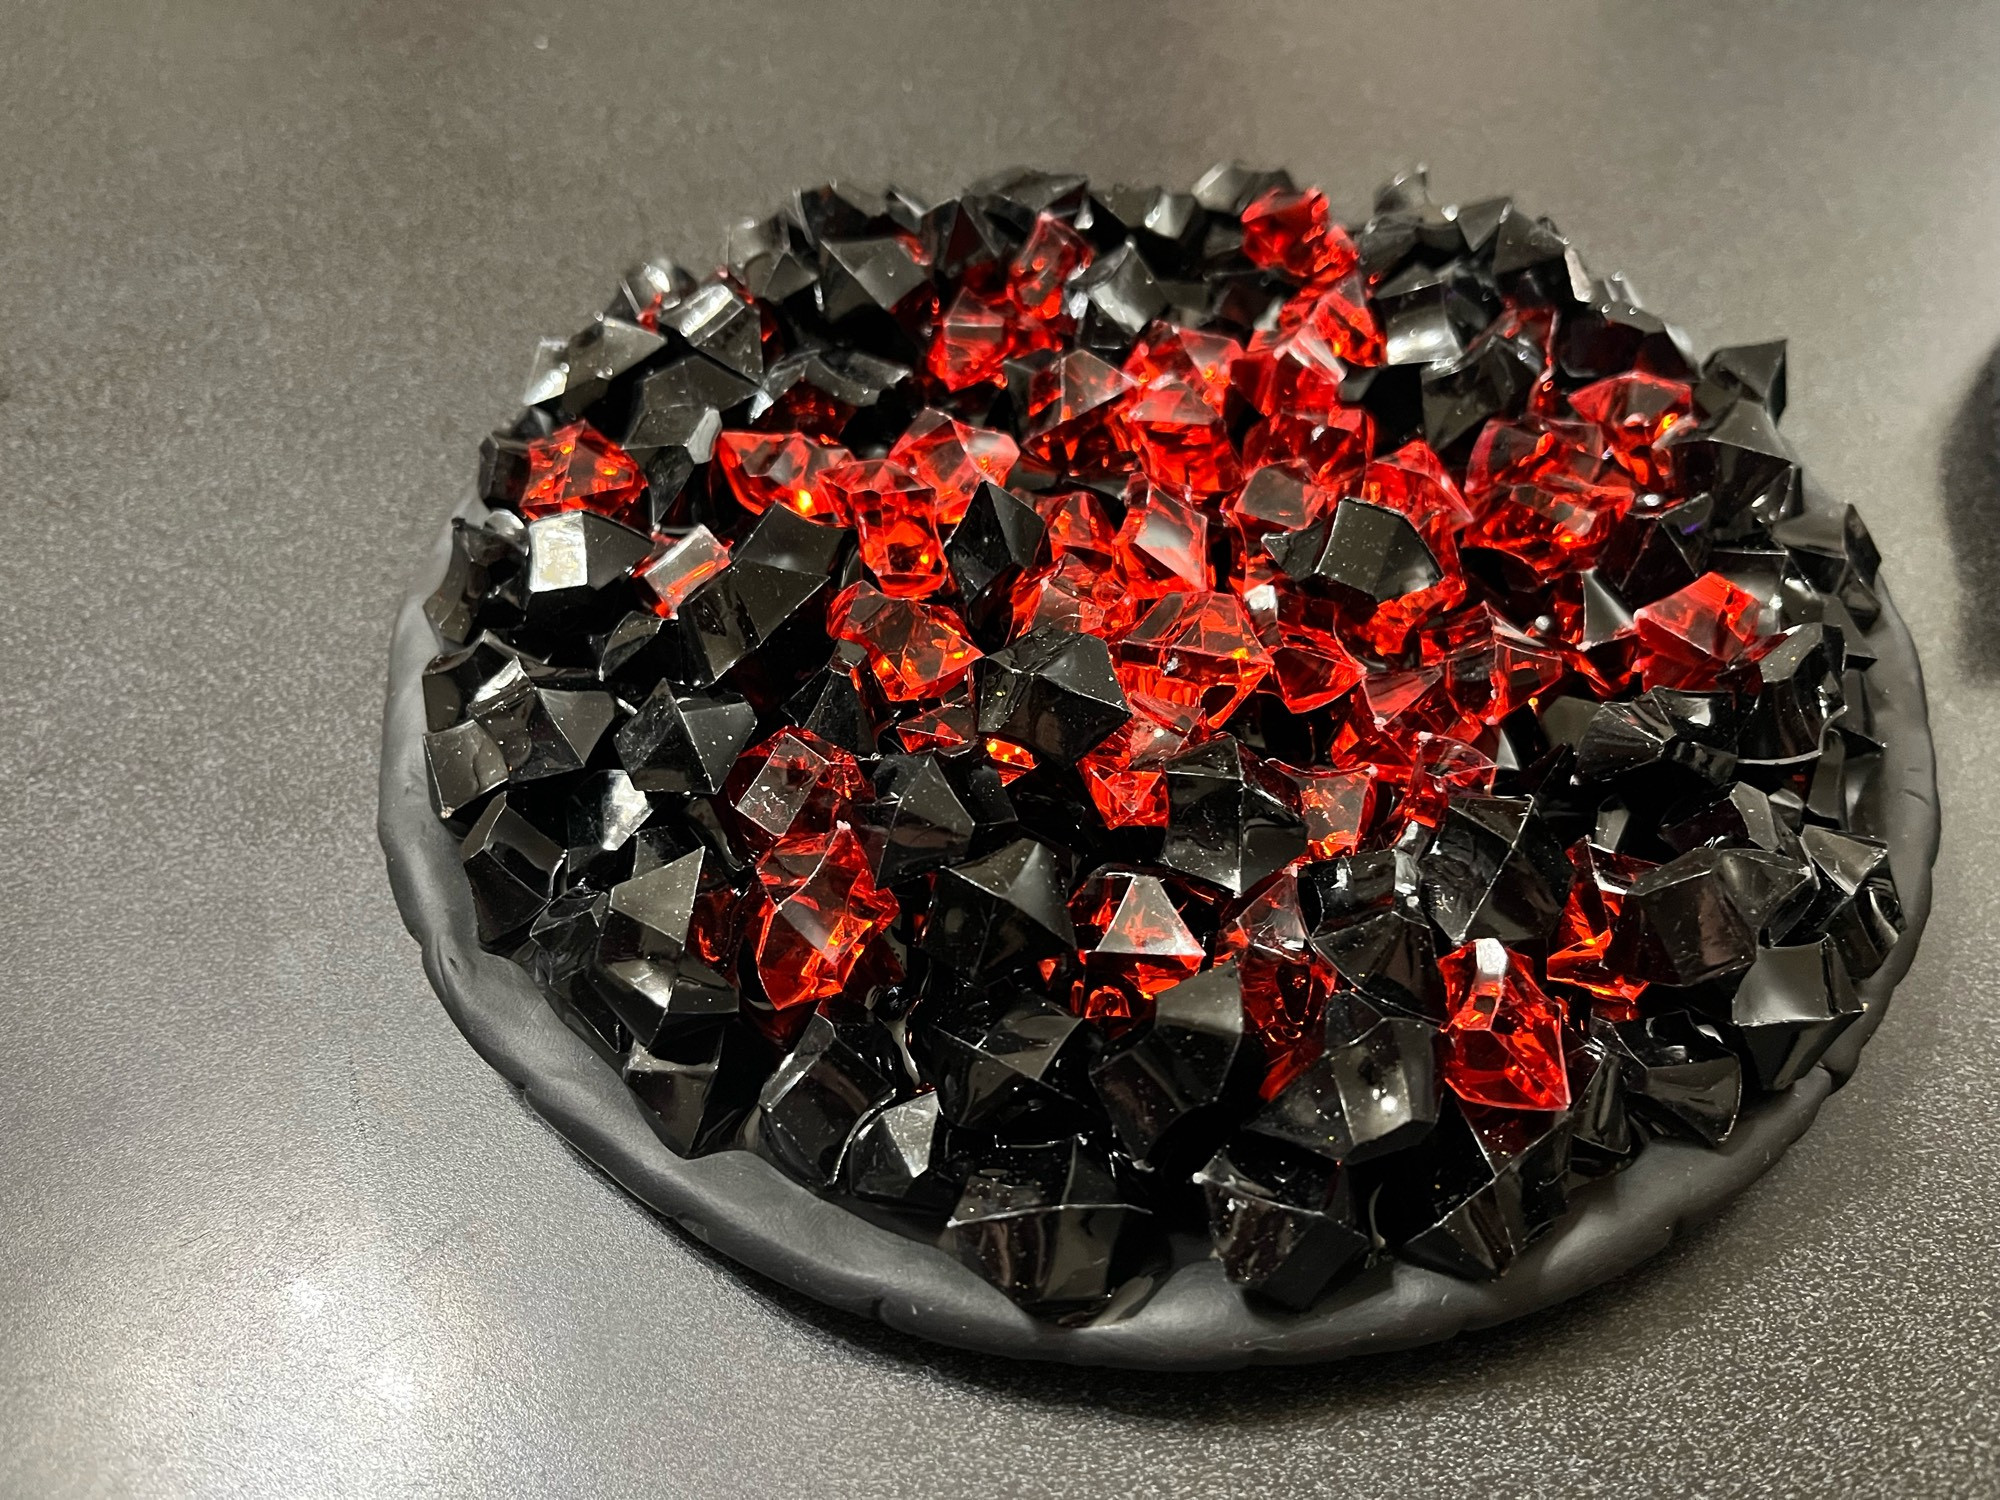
x: 1196, y: 1320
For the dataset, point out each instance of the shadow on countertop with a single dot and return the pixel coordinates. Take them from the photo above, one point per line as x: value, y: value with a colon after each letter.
x: 1969, y: 478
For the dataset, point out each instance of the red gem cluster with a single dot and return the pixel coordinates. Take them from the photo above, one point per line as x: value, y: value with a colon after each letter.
x: 1160, y: 481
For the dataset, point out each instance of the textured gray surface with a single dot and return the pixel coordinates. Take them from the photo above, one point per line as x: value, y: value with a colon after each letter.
x: 268, y: 1226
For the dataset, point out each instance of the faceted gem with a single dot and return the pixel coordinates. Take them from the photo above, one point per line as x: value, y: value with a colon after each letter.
x: 1052, y: 1229
x: 914, y: 650
x: 1284, y: 984
x: 946, y: 724
x: 1502, y: 1034
x: 1495, y: 871
x: 843, y: 1068
x: 922, y: 821
x: 1372, y: 1090
x: 1020, y: 1066
x: 1676, y: 1075
x: 1139, y: 945
x: 1010, y: 760
x: 1282, y: 1222
x: 1003, y: 911
x: 764, y: 469
x: 1679, y: 925
x: 998, y: 538
x: 1295, y: 233
x: 1124, y: 777
x: 578, y: 468
x: 1337, y: 807
x: 1583, y: 935
x: 681, y: 566
x: 1636, y: 410
x: 1486, y: 1184
x: 1281, y: 496
x: 1165, y: 1090
x: 1199, y: 361
x: 1793, y: 1004
x: 1228, y: 819
x: 970, y: 345
x: 697, y: 1088
x: 795, y: 783
x: 1311, y: 667
x: 1297, y: 372
x: 1053, y: 254
x: 1162, y: 547
x: 1054, y: 691
x: 1689, y: 636
x: 895, y: 1156
x: 511, y: 865
x: 953, y: 459
x: 1180, y: 439
x: 1740, y: 459
x: 1331, y: 446
x: 684, y: 741
x: 821, y: 908
x: 897, y: 516
x: 1192, y: 660
x: 1074, y: 416
x: 577, y: 562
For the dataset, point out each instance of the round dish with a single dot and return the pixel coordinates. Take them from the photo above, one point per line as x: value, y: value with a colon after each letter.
x: 1186, y: 1316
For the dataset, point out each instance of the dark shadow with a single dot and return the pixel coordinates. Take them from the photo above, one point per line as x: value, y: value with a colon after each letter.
x: 1969, y: 477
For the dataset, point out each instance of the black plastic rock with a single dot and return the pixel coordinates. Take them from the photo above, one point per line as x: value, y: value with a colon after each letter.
x: 1184, y: 1072
x: 1282, y: 1222
x: 718, y: 321
x: 1680, y: 924
x: 1602, y: 1138
x: 1799, y: 692
x: 478, y: 554
x: 1051, y: 1228
x: 465, y: 763
x: 544, y: 732
x: 1482, y: 1187
x: 1368, y: 922
x: 1368, y: 551
x: 698, y: 1086
x: 1658, y: 548
x: 1228, y: 821
x: 1753, y: 370
x: 921, y: 823
x: 999, y: 538
x: 1742, y: 816
x: 896, y: 1157
x: 1001, y: 912
x: 1372, y: 1092
x: 596, y: 357
x: 1008, y: 1066
x: 1740, y: 459
x: 1791, y: 1005
x: 1678, y: 1076
x: 1495, y: 871
x: 684, y: 742
x: 649, y: 914
x: 1054, y: 690
x: 1661, y: 730
x: 579, y: 570
x: 842, y: 1068
x: 512, y: 867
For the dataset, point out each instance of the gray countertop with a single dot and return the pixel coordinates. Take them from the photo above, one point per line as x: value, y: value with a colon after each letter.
x: 266, y: 275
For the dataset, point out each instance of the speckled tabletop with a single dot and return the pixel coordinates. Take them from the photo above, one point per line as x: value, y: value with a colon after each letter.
x: 269, y: 1227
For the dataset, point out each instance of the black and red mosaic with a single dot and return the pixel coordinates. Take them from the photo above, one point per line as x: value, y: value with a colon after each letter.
x: 1079, y: 721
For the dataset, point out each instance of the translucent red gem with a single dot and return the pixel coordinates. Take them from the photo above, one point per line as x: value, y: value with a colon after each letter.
x: 1502, y: 1032
x: 579, y: 468
x: 1192, y: 660
x: 764, y: 469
